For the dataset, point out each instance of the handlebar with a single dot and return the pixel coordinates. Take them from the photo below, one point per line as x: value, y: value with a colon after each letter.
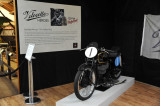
x: 100, y: 49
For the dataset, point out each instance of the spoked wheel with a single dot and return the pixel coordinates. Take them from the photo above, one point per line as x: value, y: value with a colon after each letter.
x: 84, y: 84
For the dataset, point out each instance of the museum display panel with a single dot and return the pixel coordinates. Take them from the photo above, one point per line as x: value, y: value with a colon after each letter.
x: 50, y: 26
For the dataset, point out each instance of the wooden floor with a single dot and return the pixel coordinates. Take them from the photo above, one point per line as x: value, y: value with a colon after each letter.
x: 8, y: 87
x: 14, y: 66
x: 140, y: 94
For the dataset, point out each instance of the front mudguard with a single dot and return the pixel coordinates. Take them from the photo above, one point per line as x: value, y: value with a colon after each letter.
x: 83, y: 66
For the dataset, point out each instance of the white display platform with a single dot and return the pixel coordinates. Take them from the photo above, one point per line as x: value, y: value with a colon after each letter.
x: 99, y: 98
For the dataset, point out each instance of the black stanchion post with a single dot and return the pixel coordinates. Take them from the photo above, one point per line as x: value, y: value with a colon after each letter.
x: 1, y: 59
x: 8, y: 61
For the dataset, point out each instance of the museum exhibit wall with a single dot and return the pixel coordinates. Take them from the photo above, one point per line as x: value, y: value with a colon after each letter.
x: 115, y: 23
x: 56, y: 68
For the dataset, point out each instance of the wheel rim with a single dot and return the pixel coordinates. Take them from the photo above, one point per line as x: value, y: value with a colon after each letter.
x: 86, y: 91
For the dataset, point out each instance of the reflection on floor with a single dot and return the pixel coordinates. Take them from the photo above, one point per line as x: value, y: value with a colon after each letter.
x: 9, y: 87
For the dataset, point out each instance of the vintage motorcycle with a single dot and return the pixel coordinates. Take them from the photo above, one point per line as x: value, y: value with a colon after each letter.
x: 102, y: 68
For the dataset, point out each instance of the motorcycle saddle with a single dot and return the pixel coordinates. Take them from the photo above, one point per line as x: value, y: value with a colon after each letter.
x: 114, y: 52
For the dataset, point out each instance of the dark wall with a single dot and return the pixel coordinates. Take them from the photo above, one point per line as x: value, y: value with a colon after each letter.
x: 56, y: 68
x: 128, y: 27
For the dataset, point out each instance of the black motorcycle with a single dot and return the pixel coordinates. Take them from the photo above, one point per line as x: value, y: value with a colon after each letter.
x: 102, y: 68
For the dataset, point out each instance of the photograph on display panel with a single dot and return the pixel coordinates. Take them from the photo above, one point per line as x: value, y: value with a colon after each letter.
x: 57, y: 17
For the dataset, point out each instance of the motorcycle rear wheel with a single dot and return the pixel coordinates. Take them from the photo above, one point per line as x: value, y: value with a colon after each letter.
x: 84, y: 91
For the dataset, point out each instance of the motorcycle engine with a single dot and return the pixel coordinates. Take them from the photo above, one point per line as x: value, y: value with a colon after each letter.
x: 102, y: 68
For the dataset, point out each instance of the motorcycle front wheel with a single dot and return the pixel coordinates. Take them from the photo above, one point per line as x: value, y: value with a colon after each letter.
x: 84, y: 84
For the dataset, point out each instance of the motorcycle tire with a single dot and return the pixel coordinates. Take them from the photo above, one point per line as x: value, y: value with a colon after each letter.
x: 78, y: 91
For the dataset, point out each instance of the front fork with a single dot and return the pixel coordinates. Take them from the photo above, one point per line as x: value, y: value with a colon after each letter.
x: 90, y: 76
x: 120, y: 60
x: 91, y: 68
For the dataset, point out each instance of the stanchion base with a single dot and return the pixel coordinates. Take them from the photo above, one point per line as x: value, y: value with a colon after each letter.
x: 35, y: 101
x: 26, y: 95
